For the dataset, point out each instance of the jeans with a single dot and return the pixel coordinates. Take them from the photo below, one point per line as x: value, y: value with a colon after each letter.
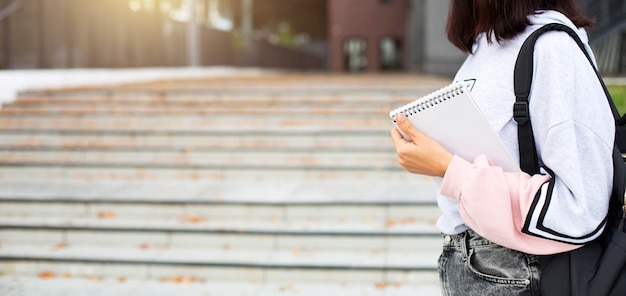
x: 472, y: 265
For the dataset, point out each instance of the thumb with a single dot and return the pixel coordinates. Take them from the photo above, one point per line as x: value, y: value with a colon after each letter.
x: 405, y: 126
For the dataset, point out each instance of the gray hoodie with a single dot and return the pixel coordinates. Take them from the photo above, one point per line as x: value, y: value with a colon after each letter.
x: 574, y: 134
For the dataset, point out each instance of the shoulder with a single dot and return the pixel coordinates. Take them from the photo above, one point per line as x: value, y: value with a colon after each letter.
x: 557, y: 43
x: 557, y: 46
x: 558, y: 50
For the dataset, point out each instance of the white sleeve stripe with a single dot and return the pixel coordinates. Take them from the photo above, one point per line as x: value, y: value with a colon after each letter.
x: 534, y: 222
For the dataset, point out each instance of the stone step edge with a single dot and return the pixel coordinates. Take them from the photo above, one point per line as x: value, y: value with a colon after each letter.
x: 382, y: 267
x: 197, y: 201
x: 167, y: 115
x: 190, y: 149
x: 220, y: 230
x: 171, y: 93
x: 191, y: 166
x: 58, y: 284
x: 202, y: 133
x: 270, y: 259
x: 212, y: 100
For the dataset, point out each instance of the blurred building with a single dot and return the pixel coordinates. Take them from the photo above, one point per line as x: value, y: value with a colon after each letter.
x: 335, y: 35
x: 390, y: 35
x: 367, y: 35
x: 608, y: 35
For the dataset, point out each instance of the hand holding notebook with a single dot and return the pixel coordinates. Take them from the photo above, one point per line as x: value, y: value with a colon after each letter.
x: 451, y: 117
x: 422, y: 155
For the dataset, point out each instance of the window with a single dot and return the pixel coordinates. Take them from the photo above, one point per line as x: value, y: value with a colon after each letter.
x: 354, y: 52
x: 390, y: 54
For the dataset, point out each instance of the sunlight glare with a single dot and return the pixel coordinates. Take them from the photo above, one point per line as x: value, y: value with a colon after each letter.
x: 134, y: 5
x: 149, y: 4
x: 165, y: 6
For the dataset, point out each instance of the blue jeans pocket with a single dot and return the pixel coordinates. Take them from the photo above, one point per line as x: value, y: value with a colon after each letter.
x: 499, y: 265
x: 473, y: 266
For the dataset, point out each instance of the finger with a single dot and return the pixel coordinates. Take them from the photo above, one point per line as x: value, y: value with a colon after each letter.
x: 397, y: 138
x: 396, y: 135
x: 405, y: 125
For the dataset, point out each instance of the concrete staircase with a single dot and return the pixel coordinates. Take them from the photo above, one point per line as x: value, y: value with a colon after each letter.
x: 274, y: 184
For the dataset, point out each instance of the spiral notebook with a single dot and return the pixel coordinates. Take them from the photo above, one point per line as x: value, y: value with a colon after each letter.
x: 450, y: 116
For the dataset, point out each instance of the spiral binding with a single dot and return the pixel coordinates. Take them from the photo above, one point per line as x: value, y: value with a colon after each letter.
x: 428, y: 101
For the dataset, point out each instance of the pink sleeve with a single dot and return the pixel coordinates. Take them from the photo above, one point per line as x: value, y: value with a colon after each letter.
x: 495, y: 204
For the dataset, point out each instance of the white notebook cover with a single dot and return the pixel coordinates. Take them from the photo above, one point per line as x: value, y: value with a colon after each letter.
x: 450, y: 116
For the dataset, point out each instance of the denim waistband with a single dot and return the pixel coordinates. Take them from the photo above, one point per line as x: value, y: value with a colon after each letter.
x: 471, y: 238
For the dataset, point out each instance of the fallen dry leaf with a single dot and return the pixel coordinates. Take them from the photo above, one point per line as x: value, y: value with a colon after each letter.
x: 380, y: 285
x: 384, y: 285
x: 106, y: 214
x: 286, y: 287
x: 94, y: 278
x: 400, y: 221
x: 59, y: 246
x: 47, y: 275
x: 192, y: 219
x: 183, y: 279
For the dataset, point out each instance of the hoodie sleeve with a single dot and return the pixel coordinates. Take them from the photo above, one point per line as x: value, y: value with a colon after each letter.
x: 486, y: 209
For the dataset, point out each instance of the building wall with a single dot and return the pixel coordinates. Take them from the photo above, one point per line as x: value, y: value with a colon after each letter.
x: 370, y: 20
x: 430, y: 50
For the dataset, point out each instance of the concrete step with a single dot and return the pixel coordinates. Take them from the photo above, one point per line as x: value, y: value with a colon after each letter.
x: 95, y: 109
x: 222, y: 159
x: 281, y: 93
x: 291, y: 80
x: 246, y: 190
x: 70, y: 284
x: 233, y: 141
x: 297, y: 80
x: 302, y: 230
x: 68, y: 172
x: 113, y: 111
x: 292, y: 220
x: 50, y: 233
x: 330, y: 188
x: 168, y: 185
x: 144, y: 254
x: 209, y: 99
x: 377, y: 216
x: 221, y: 123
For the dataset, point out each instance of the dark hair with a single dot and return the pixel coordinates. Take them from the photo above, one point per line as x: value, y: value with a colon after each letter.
x: 501, y: 19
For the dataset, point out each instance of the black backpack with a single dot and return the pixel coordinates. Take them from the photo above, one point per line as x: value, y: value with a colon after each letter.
x: 599, y: 267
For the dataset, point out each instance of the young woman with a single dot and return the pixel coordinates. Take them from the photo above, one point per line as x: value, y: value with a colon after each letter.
x: 497, y: 224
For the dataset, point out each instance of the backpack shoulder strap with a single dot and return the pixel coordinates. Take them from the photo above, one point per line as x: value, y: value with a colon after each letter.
x: 523, y: 75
